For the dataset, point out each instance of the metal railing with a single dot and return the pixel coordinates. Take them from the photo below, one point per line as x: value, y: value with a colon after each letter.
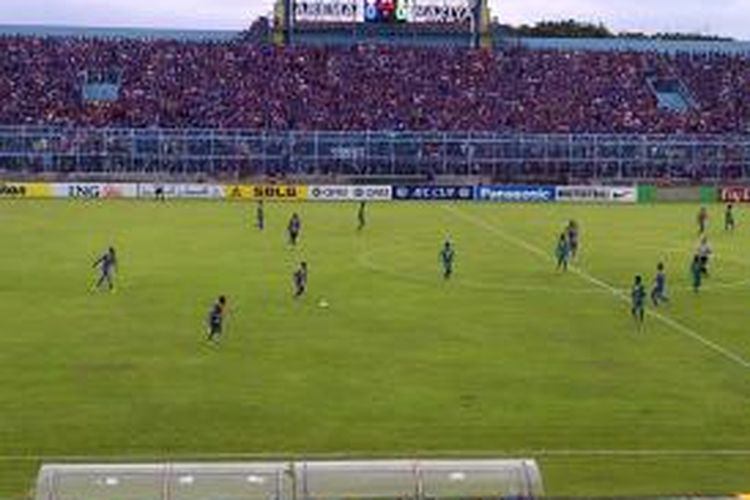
x: 246, y: 153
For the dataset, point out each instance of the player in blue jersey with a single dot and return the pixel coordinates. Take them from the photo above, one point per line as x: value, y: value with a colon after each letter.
x: 573, y: 238
x: 659, y: 291
x: 562, y: 252
x: 447, y: 258
x: 294, y: 228
x: 702, y: 220
x: 299, y: 279
x: 361, y: 220
x: 729, y: 222
x: 160, y: 193
x: 216, y: 319
x: 638, y: 300
x: 107, y: 265
x: 696, y: 273
x: 260, y: 216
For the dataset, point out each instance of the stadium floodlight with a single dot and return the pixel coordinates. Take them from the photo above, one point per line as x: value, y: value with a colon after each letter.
x: 281, y: 480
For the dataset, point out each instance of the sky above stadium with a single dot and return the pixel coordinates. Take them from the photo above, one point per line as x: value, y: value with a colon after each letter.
x: 719, y: 17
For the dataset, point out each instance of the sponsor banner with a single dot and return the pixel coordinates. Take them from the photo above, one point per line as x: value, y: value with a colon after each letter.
x: 735, y: 194
x: 13, y: 190
x: 597, y: 194
x: 517, y: 194
x: 39, y: 190
x: 25, y: 190
x: 646, y: 193
x: 199, y: 191
x: 238, y: 192
x: 372, y: 193
x: 92, y: 191
x: 328, y: 193
x: 625, y: 194
x: 678, y: 194
x: 149, y: 190
x: 433, y: 193
x: 349, y: 193
x: 278, y: 192
x: 709, y: 194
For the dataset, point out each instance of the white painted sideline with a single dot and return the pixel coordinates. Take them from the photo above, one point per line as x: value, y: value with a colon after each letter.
x: 422, y: 454
x: 679, y: 327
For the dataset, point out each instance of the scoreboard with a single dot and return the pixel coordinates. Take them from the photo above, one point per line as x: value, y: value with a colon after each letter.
x: 385, y: 11
x: 410, y: 11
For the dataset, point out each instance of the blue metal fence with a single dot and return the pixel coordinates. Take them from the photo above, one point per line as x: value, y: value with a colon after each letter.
x: 244, y: 153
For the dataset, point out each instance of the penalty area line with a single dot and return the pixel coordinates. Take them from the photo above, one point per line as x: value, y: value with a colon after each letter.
x: 675, y: 325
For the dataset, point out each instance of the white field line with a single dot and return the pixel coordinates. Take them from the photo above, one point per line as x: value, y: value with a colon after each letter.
x: 354, y: 455
x: 676, y: 326
x: 366, y: 260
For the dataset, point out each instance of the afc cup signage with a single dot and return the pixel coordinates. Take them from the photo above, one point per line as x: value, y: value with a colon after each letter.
x: 425, y: 193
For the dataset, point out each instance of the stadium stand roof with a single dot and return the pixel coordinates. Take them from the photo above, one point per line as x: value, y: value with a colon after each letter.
x: 628, y: 45
x: 125, y: 33
x: 344, y: 37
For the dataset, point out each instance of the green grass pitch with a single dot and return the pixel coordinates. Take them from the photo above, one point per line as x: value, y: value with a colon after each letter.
x: 509, y: 358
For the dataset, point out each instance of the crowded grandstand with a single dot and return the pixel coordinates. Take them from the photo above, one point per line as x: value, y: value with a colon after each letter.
x: 238, y: 85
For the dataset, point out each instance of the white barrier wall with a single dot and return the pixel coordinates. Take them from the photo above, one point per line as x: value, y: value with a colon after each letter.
x: 323, y: 193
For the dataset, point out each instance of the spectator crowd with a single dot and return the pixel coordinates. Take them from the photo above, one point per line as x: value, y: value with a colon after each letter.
x: 240, y: 85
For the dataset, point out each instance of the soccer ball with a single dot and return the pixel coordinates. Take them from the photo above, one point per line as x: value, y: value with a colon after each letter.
x: 323, y: 304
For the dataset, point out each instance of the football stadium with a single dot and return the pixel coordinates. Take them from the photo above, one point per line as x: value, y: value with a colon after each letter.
x: 373, y: 249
